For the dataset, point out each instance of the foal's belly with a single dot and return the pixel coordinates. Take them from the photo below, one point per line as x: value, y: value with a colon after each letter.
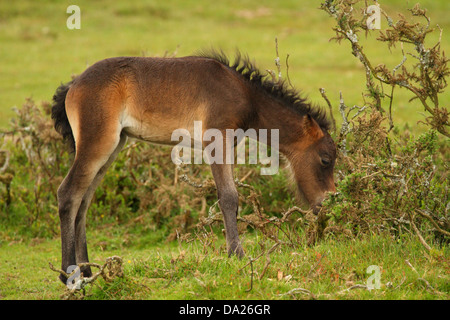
x: 159, y: 127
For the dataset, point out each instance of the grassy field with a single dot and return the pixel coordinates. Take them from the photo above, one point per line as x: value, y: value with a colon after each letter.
x: 330, y: 270
x: 38, y: 52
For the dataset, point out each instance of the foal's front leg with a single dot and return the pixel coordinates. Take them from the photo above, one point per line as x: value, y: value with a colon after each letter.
x: 228, y: 202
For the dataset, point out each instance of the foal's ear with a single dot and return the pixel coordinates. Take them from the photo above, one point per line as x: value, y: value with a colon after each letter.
x: 312, y: 127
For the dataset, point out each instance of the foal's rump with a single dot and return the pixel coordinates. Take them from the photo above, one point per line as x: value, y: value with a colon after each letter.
x: 149, y: 98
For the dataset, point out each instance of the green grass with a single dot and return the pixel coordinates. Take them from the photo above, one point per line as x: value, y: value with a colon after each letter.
x: 38, y: 52
x: 191, y: 271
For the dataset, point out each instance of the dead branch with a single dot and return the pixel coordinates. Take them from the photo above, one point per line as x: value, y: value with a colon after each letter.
x: 324, y: 96
x: 419, y: 235
x: 433, y: 222
x: 6, y: 161
x: 425, y: 80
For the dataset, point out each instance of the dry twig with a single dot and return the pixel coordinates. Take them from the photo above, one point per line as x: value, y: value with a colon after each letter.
x: 111, y: 269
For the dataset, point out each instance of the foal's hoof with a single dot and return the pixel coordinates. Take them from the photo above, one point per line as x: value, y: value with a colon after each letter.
x: 86, y: 271
x: 238, y: 252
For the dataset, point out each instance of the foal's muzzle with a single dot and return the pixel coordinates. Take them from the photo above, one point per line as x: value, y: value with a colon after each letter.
x: 316, y: 208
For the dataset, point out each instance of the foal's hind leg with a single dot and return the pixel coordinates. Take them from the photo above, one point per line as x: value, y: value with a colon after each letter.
x: 92, y: 153
x: 228, y: 202
x: 81, y: 251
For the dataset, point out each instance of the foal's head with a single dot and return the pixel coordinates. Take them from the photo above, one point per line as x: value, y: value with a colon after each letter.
x: 313, y: 163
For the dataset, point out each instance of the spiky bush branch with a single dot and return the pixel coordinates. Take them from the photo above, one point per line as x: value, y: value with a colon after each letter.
x: 426, y: 79
x: 386, y: 187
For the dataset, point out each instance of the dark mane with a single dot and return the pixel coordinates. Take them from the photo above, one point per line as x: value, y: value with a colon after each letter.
x: 289, y: 97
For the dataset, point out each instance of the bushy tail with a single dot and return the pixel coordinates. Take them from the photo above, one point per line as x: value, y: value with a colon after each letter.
x: 59, y: 115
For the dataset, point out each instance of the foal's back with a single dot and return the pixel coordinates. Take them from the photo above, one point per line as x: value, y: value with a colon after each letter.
x: 151, y: 97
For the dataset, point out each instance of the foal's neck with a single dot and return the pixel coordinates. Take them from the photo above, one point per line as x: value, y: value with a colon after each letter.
x: 273, y: 115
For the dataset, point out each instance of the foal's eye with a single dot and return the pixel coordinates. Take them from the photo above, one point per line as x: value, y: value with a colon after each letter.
x: 325, y: 161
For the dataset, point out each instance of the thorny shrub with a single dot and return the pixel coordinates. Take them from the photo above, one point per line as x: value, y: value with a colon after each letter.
x: 393, y: 184
x: 389, y: 181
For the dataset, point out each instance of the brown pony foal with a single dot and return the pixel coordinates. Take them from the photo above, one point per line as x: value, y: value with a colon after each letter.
x: 149, y: 98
